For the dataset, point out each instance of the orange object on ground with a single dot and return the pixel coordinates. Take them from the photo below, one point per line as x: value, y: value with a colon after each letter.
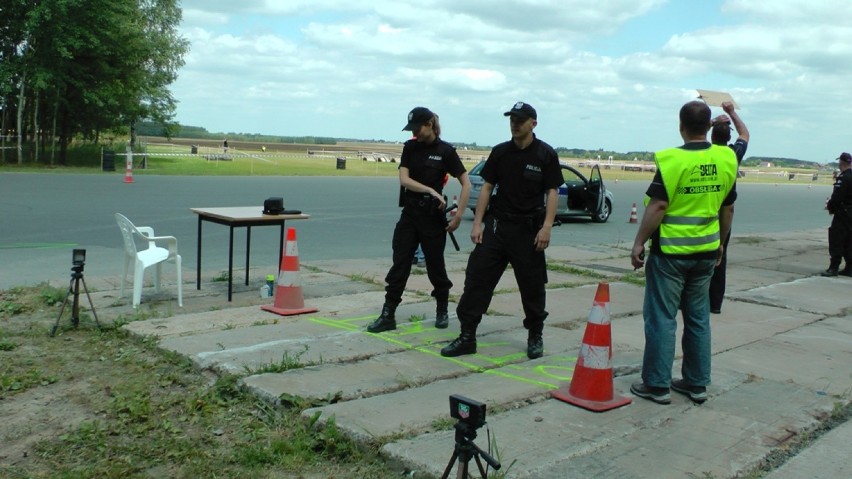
x: 592, y: 385
x: 288, y: 292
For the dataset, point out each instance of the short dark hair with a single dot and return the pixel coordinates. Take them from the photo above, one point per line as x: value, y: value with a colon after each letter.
x: 695, y: 117
x: 721, y: 134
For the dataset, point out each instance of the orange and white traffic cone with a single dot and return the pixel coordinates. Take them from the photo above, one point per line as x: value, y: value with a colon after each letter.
x: 128, y: 170
x: 288, y: 293
x: 633, y: 215
x: 591, y: 384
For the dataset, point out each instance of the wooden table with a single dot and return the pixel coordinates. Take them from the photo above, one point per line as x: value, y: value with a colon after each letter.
x: 236, y: 217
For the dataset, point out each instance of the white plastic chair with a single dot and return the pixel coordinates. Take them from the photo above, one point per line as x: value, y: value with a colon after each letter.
x: 150, y: 256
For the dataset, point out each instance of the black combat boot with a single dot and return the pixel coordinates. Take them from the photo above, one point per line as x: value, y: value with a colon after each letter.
x: 464, y: 344
x: 442, y: 318
x: 831, y: 271
x: 535, y: 345
x: 385, y: 322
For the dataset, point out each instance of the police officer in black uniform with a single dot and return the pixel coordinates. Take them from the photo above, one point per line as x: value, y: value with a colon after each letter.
x: 424, y: 162
x: 840, y: 231
x: 513, y: 228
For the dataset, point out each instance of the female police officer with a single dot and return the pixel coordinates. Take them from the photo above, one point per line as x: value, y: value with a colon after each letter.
x: 424, y: 162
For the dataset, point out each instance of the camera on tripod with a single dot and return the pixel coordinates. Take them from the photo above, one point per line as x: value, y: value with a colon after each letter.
x: 468, y: 411
x: 78, y: 260
x: 471, y: 416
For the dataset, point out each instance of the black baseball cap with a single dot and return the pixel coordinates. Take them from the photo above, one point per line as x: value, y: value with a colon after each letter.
x: 417, y: 118
x: 845, y: 157
x: 523, y: 110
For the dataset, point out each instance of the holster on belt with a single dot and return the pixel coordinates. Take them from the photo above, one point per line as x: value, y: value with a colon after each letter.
x: 421, y: 203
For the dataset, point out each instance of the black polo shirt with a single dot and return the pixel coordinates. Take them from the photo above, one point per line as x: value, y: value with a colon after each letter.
x: 522, y: 175
x: 428, y: 163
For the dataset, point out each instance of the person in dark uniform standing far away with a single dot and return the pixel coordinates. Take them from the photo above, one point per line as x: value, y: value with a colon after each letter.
x: 840, y: 232
x: 514, y: 228
x: 721, y: 135
x: 424, y: 162
x: 689, y: 208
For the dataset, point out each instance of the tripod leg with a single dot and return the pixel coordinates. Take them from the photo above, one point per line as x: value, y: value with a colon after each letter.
x: 479, y: 464
x: 450, y: 465
x: 462, y: 472
x: 92, y: 305
x: 62, y: 309
x: 75, y: 307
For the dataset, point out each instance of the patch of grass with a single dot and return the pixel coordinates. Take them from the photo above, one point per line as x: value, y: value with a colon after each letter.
x: 151, y: 414
x: 7, y: 345
x: 264, y: 322
x: 564, y: 268
x: 286, y: 363
x: 363, y: 278
x: 222, y: 276
x: 22, y: 379
x: 634, y: 278
x: 752, y: 240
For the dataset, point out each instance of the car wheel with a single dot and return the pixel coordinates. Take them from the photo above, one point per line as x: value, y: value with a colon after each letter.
x: 604, y: 213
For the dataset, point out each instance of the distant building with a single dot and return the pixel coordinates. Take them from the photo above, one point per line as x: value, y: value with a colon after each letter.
x: 766, y: 164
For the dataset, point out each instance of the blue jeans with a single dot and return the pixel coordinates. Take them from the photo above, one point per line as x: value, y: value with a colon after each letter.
x: 671, y: 284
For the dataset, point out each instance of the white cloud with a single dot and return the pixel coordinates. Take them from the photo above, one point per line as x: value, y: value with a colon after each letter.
x: 609, y: 74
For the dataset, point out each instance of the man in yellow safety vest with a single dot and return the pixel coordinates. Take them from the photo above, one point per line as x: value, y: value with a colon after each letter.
x: 688, y: 211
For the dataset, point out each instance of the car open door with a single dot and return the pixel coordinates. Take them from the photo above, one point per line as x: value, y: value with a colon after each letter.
x: 596, y: 191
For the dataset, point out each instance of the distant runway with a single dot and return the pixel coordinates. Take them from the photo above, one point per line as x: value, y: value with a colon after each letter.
x: 46, y: 215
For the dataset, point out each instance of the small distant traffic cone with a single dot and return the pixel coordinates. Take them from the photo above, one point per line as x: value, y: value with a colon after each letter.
x: 591, y: 384
x: 455, y: 202
x: 128, y: 170
x: 633, y: 217
x: 288, y: 293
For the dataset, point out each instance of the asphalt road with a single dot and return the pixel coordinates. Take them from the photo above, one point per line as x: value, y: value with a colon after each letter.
x: 44, y: 216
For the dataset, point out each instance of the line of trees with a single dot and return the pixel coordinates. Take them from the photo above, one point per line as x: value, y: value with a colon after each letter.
x: 172, y: 130
x: 82, y: 68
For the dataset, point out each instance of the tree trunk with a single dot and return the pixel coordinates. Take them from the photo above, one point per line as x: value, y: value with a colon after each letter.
x: 21, y: 103
x: 63, y: 140
x: 53, y: 132
x: 132, y: 133
x: 35, y: 135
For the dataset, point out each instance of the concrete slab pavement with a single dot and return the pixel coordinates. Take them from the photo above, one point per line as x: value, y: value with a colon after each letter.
x: 781, y: 354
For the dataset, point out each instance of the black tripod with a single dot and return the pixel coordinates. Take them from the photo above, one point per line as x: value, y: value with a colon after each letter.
x: 74, y: 288
x: 465, y: 450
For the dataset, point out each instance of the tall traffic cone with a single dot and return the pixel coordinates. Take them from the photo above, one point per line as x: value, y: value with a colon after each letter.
x: 591, y: 385
x: 288, y: 293
x: 128, y: 170
x: 633, y: 217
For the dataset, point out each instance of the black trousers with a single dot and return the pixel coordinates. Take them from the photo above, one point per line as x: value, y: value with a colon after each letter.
x: 430, y: 232
x: 717, y: 282
x: 840, y: 239
x: 504, y: 243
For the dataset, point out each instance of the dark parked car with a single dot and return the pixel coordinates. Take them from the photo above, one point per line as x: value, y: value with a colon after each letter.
x: 578, y: 196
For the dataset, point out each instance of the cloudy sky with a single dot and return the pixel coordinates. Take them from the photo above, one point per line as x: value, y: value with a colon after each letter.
x: 606, y: 74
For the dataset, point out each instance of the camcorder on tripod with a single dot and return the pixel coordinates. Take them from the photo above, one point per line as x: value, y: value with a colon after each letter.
x: 471, y: 416
x: 78, y: 262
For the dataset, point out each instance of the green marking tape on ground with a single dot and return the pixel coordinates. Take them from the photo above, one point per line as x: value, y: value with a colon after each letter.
x: 546, y: 371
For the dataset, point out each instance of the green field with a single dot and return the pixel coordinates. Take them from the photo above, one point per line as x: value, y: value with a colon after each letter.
x: 175, y: 157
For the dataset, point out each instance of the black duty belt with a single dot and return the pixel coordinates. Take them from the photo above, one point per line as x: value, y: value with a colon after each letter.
x: 420, y: 200
x: 512, y: 217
